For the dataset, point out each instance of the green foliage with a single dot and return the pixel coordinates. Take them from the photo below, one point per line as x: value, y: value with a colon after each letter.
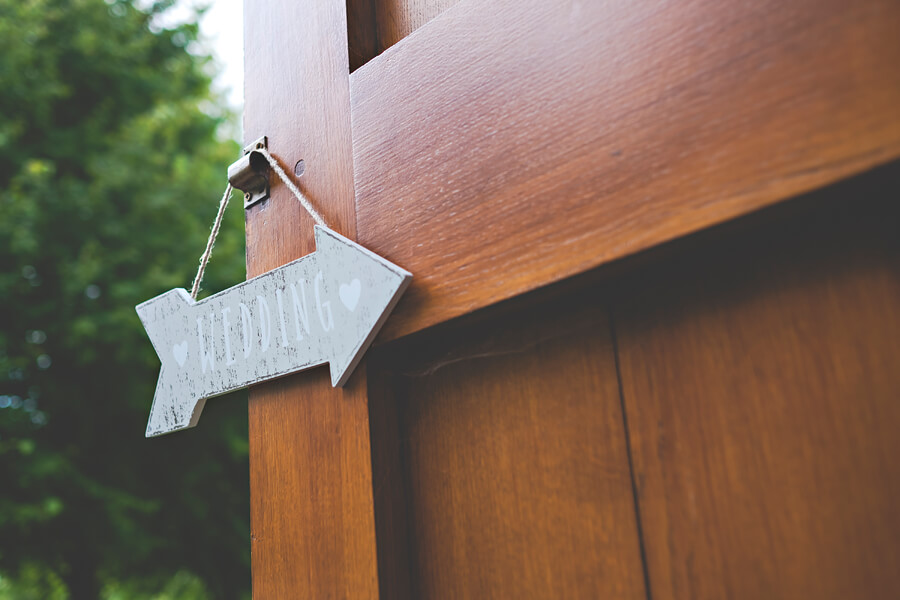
x: 109, y: 178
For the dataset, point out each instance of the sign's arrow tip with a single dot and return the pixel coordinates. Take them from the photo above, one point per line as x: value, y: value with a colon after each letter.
x: 368, y: 289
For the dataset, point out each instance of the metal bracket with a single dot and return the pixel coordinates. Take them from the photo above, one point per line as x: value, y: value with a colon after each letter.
x: 250, y: 173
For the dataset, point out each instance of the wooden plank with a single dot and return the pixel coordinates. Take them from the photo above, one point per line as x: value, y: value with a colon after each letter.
x: 761, y: 382
x: 310, y: 468
x: 505, y: 472
x: 493, y: 158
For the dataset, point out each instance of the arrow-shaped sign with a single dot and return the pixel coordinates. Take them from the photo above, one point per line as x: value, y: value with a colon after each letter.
x: 324, y: 307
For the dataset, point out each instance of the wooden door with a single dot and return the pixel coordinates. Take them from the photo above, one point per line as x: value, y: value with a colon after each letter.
x: 608, y: 378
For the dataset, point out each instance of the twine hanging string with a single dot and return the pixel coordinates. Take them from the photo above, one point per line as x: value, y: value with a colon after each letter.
x: 291, y: 186
x: 304, y: 201
x: 204, y: 258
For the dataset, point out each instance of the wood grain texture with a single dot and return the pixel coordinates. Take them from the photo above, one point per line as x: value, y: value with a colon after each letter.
x: 396, y: 19
x: 762, y: 386
x: 312, y: 520
x: 504, y: 473
x: 491, y: 159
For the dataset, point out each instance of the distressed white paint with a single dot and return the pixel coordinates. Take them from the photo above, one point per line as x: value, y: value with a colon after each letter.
x: 324, y: 307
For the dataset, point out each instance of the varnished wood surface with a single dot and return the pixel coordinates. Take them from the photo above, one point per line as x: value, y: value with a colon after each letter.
x: 761, y: 377
x: 492, y: 157
x: 501, y: 467
x: 312, y: 520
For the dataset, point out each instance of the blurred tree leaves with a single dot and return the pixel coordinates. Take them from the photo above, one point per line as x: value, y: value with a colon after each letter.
x: 109, y: 178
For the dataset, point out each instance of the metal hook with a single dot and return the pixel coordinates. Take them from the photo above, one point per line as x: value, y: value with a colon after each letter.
x: 250, y: 173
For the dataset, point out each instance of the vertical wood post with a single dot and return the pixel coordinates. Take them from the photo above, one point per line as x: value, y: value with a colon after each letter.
x: 312, y: 521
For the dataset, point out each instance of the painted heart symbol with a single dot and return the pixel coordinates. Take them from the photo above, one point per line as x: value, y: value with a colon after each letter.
x: 180, y: 352
x: 349, y: 293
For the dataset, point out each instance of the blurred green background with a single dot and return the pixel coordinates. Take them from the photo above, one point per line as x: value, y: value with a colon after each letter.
x: 113, y: 153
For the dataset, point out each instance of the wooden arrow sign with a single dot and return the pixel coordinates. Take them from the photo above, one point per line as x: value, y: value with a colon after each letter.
x: 324, y: 307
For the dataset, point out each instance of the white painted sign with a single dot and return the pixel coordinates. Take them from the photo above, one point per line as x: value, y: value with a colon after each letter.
x: 324, y: 307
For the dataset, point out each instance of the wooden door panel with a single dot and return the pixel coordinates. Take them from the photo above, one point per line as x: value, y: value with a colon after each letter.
x: 507, y: 144
x: 761, y: 383
x: 504, y: 471
x: 492, y: 158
